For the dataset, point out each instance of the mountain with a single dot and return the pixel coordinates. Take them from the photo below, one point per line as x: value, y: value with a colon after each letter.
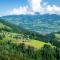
x: 17, y: 43
x: 39, y: 23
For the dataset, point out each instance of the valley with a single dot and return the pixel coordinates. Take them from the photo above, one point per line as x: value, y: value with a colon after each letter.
x: 19, y: 43
x: 39, y: 23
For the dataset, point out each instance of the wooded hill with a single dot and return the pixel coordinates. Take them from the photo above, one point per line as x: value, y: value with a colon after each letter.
x: 17, y: 43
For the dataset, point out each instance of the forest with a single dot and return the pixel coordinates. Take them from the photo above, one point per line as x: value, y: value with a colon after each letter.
x: 17, y: 43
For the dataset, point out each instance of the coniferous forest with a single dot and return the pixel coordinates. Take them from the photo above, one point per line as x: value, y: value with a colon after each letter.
x: 17, y: 43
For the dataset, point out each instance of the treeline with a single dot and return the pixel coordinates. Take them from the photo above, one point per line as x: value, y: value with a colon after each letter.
x: 51, y: 38
x: 22, y: 52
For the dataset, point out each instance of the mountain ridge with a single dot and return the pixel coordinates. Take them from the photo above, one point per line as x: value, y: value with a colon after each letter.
x: 38, y: 23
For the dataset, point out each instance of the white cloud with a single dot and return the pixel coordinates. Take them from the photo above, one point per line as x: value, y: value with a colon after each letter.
x: 45, y: 8
x: 20, y: 10
x: 35, y: 6
x: 53, y: 9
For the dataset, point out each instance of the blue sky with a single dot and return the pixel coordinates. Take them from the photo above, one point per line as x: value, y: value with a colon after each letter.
x: 51, y: 2
x: 7, y: 5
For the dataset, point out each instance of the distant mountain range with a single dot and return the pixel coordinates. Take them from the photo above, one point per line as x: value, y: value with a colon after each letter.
x: 38, y: 23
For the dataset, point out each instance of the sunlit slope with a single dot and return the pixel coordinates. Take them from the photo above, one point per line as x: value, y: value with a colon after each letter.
x: 8, y: 36
x: 33, y: 43
x: 57, y: 36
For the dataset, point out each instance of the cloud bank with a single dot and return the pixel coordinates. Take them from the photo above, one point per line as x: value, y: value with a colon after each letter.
x: 35, y: 6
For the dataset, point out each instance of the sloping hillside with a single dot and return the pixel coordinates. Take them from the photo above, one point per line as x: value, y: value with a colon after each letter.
x: 16, y: 44
x: 9, y: 33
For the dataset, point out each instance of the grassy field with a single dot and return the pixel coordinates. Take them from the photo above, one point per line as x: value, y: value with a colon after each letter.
x: 28, y: 42
x: 57, y: 36
x: 7, y: 35
x: 10, y: 37
x: 33, y: 43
